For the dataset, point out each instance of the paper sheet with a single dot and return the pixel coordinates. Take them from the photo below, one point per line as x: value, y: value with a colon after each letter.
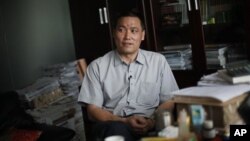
x: 222, y: 93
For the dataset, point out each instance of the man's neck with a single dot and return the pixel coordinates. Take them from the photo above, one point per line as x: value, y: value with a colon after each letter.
x: 128, y: 58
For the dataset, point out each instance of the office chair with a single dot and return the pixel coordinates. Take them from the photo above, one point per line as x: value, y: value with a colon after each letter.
x: 81, y: 69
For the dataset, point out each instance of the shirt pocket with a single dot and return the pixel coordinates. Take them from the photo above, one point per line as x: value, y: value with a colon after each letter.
x: 148, y: 93
x: 113, y: 93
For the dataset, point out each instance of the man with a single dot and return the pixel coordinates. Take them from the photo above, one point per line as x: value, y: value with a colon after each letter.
x: 123, y: 88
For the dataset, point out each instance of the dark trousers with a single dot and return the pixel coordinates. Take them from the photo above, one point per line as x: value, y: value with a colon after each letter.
x: 109, y: 128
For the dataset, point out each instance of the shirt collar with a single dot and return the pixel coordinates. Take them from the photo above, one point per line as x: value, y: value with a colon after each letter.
x: 139, y: 59
x: 117, y: 59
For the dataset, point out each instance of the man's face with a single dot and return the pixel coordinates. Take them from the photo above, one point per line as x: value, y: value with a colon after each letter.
x: 128, y: 35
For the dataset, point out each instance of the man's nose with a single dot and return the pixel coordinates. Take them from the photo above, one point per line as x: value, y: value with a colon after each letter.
x: 128, y: 35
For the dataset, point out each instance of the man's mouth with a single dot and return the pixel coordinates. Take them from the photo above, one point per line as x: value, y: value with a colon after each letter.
x: 128, y: 44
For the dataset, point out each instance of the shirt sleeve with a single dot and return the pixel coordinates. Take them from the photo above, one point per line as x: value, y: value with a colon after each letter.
x: 91, y: 91
x: 168, y: 82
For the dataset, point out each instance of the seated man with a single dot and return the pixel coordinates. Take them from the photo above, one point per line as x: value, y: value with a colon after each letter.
x: 122, y: 89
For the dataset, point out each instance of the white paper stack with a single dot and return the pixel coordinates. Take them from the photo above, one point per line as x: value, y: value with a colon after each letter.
x: 216, y: 55
x: 179, y: 57
x: 67, y: 75
x: 41, y: 93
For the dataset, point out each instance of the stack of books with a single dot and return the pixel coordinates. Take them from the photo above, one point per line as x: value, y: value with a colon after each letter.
x: 67, y: 76
x: 216, y: 55
x: 179, y: 57
x: 41, y: 93
x: 52, y: 99
x: 236, y: 72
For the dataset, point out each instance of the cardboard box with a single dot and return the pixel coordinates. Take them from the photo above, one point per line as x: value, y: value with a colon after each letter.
x: 222, y: 113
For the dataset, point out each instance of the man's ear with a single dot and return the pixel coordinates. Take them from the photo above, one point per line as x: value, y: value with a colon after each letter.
x: 113, y: 33
x: 143, y: 35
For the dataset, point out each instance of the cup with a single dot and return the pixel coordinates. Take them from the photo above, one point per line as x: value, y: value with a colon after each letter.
x: 114, y: 138
x: 158, y: 139
x: 163, y: 119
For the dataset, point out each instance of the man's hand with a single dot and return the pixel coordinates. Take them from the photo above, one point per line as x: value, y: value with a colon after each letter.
x: 140, y: 124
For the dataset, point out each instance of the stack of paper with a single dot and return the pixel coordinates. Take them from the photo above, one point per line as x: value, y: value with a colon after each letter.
x: 179, y: 57
x: 216, y: 55
x: 212, y: 80
x: 41, y: 93
x: 67, y: 75
x: 236, y: 72
x: 210, y: 95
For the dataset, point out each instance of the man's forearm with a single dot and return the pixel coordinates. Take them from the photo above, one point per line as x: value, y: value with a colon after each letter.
x: 168, y: 105
x: 98, y: 114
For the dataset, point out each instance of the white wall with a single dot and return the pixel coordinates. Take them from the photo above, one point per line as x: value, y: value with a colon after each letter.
x: 34, y: 33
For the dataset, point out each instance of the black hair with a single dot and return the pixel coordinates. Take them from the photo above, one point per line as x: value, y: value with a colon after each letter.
x: 129, y: 13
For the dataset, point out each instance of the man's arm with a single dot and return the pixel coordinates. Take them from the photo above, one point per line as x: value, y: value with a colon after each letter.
x: 98, y: 114
x: 139, y: 124
x: 167, y: 105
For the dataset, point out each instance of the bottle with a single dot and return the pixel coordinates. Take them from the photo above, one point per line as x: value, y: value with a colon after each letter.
x: 163, y: 119
x: 208, y: 131
x: 226, y: 136
x: 183, y: 123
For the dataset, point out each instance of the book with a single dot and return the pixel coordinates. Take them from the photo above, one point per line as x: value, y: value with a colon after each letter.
x: 218, y: 49
x: 234, y: 79
x: 176, y: 53
x: 177, y: 47
x: 236, y: 72
x: 217, y: 95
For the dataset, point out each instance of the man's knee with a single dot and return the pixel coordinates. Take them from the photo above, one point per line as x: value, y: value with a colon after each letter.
x: 109, y: 128
x: 118, y: 127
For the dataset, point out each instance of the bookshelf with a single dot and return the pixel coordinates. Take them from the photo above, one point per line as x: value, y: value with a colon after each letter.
x: 202, y: 24
x: 198, y: 23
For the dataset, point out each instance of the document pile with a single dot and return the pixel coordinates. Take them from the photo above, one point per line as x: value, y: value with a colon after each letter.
x: 64, y: 112
x: 52, y: 99
x: 216, y: 55
x: 179, y: 57
x: 219, y: 98
x: 236, y: 72
x: 212, y: 80
x: 41, y: 93
x: 67, y: 76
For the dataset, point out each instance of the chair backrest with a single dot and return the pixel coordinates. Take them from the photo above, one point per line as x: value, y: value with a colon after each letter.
x: 88, y: 124
x: 82, y: 68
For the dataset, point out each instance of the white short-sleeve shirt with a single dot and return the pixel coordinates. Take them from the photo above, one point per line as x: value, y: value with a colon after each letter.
x: 127, y: 89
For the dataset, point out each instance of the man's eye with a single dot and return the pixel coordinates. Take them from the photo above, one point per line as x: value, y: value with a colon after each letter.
x: 120, y: 30
x: 134, y: 30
